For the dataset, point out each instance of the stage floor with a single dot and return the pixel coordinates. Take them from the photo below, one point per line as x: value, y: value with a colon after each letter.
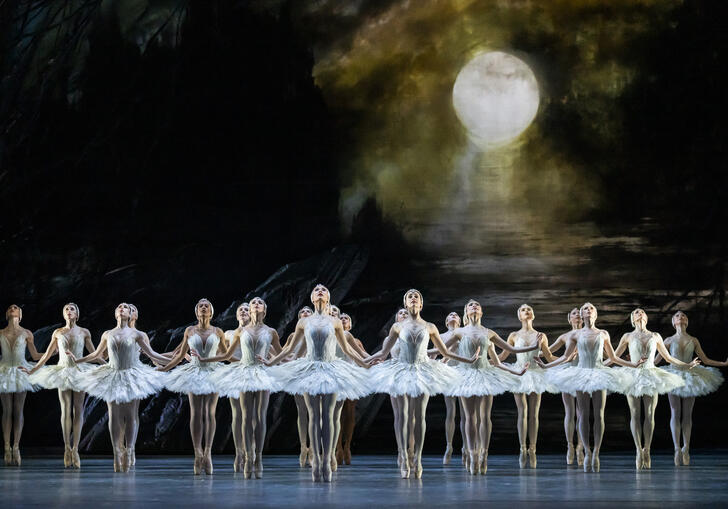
x: 370, y: 481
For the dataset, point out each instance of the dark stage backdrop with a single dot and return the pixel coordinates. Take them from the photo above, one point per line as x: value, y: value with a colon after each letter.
x: 160, y: 152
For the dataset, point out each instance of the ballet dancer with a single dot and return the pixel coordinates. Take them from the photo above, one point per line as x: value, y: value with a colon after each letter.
x: 321, y: 377
x: 574, y: 319
x: 251, y: 381
x: 699, y: 381
x: 590, y: 379
x: 121, y: 382
x: 480, y: 381
x: 409, y: 451
x: 14, y: 383
x: 64, y: 377
x: 647, y: 382
x: 413, y: 377
x: 452, y: 322
x: 531, y: 385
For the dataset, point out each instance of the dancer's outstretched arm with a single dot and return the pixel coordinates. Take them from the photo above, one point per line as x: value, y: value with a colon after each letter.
x: 146, y: 347
x: 614, y: 358
x: 52, y: 347
x: 290, y: 345
x: 568, y: 354
x: 344, y: 344
x: 706, y: 360
x: 672, y: 360
x: 495, y: 360
x: 227, y: 355
x: 440, y: 345
x: 181, y: 351
x: 96, y: 354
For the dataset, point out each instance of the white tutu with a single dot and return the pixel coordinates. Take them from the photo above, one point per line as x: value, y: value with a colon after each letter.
x: 308, y: 376
x: 573, y: 379
x: 424, y: 376
x: 194, y: 378
x: 534, y: 380
x: 14, y: 380
x: 235, y: 378
x: 488, y: 381
x: 65, y: 378
x: 122, y: 385
x: 699, y: 381
x: 646, y: 381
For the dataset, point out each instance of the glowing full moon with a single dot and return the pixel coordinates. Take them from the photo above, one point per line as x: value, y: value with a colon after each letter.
x: 495, y: 97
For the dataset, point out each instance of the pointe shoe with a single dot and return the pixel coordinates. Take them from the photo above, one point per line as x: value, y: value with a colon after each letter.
x: 579, y: 454
x: 595, y: 463
x: 129, y: 459
x: 522, y: 458
x: 247, y: 467
x: 404, y: 468
x: 310, y: 457
x: 418, y: 468
x: 303, y: 457
x: 646, y: 460
x: 570, y: 454
x: 448, y: 455
x: 316, y: 471
x: 532, y: 457
x: 67, y: 458
x: 339, y: 456
x: 236, y: 462
x: 482, y: 463
x: 124, y: 460
x: 132, y: 456
x: 677, y: 458
x: 197, y: 465
x: 685, y: 456
x: 399, y: 458
x: 258, y: 466
x: 75, y: 458
x: 464, y: 456
x: 8, y: 455
x: 347, y: 455
x: 207, y: 462
x: 327, y: 472
x: 587, y: 461
x: 16, y: 455
x: 334, y: 464
x: 466, y: 460
x: 473, y: 462
x: 638, y: 460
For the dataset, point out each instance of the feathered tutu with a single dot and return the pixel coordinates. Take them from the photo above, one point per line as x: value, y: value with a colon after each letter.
x: 122, y: 385
x: 426, y: 376
x: 573, y: 379
x: 485, y: 381
x: 14, y: 380
x: 65, y: 378
x: 534, y: 380
x: 308, y: 376
x: 235, y: 378
x: 650, y: 380
x: 699, y: 381
x: 193, y: 378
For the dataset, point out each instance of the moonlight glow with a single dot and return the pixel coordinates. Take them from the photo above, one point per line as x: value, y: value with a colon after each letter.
x: 495, y: 97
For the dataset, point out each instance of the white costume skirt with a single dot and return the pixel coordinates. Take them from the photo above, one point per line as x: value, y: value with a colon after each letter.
x: 573, y: 379
x: 193, y: 378
x: 649, y: 381
x: 428, y: 376
x: 308, y: 376
x: 14, y: 380
x: 235, y: 378
x: 534, y: 380
x: 122, y: 385
x: 699, y: 381
x: 489, y: 381
x: 65, y: 378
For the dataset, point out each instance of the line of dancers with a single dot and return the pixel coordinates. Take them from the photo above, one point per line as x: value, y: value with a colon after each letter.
x: 327, y: 369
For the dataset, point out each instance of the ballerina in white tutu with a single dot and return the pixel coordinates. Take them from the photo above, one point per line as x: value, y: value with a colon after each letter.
x: 452, y: 322
x: 589, y: 379
x: 196, y: 380
x: 121, y: 382
x: 409, y: 451
x: 480, y: 381
x: 306, y: 455
x: 569, y: 400
x: 530, y: 386
x: 413, y: 377
x: 250, y: 380
x: 14, y: 383
x: 699, y: 381
x: 65, y: 376
x: 647, y: 382
x: 321, y: 377
x: 242, y: 314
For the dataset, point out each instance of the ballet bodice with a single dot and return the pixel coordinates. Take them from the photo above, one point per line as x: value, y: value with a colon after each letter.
x: 123, y: 352
x: 639, y: 349
x: 230, y: 336
x: 684, y: 351
x: 252, y: 346
x: 208, y: 349
x: 73, y: 344
x: 394, y: 352
x: 413, y: 341
x: 320, y: 339
x: 521, y: 341
x: 590, y: 349
x: 13, y: 355
x: 469, y: 343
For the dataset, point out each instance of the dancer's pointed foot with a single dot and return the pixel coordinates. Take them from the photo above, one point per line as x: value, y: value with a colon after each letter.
x: 464, y: 457
x: 646, y: 460
x: 570, y: 454
x: 117, y: 460
x: 8, y: 455
x: 258, y: 466
x: 473, y: 462
x: 448, y: 455
x: 587, y: 460
x: 310, y: 457
x: 522, y: 458
x: 339, y: 456
x: 483, y: 462
x: 67, y: 458
x: 466, y: 460
x: 595, y: 462
x: 132, y: 456
x: 638, y: 460
x: 334, y: 463
x: 315, y: 470
x: 677, y: 457
x: 404, y: 468
x: 303, y: 457
x: 532, y: 456
x: 685, y: 456
x: 75, y: 458
x: 417, y: 467
x: 247, y: 467
x: 347, y: 455
x: 197, y: 465
x: 207, y: 462
x: 16, y: 455
x: 579, y: 454
x: 327, y: 473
